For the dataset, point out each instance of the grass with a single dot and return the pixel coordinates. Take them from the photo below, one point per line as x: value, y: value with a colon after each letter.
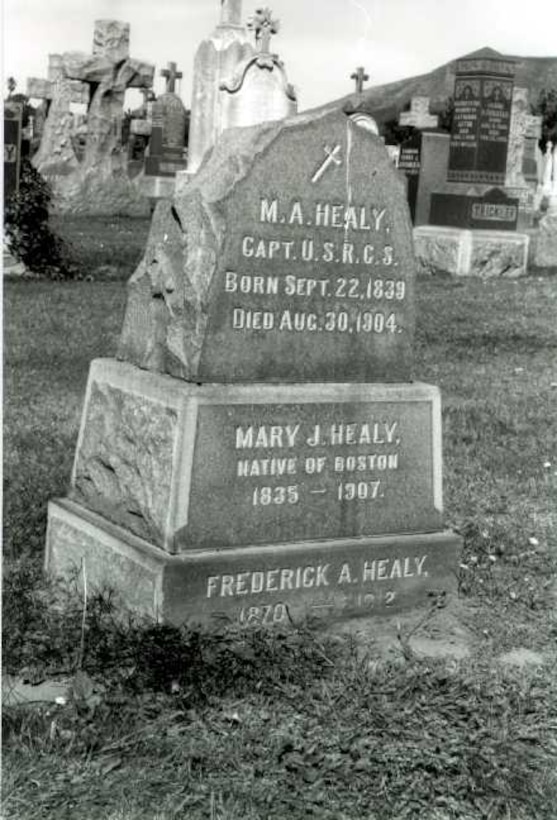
x: 168, y: 723
x: 106, y: 248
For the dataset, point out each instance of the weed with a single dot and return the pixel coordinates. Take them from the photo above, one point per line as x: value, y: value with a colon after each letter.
x: 167, y: 722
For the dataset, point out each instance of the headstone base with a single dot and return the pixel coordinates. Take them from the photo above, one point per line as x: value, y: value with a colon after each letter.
x: 265, y: 585
x: 460, y: 252
x: 257, y: 501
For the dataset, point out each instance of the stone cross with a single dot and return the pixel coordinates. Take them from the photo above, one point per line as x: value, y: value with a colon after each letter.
x: 171, y: 75
x: 57, y: 85
x: 57, y: 127
x: 264, y: 27
x: 360, y: 78
x: 231, y: 12
x: 109, y: 71
x: 418, y: 116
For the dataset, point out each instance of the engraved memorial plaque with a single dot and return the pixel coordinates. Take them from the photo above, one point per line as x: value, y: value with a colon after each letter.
x: 297, y: 267
x: 481, y: 124
x: 259, y: 450
x: 277, y: 473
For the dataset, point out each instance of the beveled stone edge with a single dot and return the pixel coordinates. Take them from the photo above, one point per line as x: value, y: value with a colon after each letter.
x: 463, y: 233
x: 154, y: 557
x: 161, y: 604
x: 185, y: 398
x: 151, y: 384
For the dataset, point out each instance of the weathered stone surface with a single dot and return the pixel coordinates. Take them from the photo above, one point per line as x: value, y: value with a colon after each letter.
x: 215, y: 61
x: 190, y: 467
x: 270, y: 585
x: 108, y: 80
x: 124, y: 459
x: 93, y: 180
x: 517, y: 134
x: 287, y: 258
x: 71, y: 541
x: 111, y: 39
x: 419, y: 116
x: 56, y: 153
x: 439, y: 250
x: 497, y: 253
x: 485, y: 254
x: 546, y: 242
x: 259, y: 92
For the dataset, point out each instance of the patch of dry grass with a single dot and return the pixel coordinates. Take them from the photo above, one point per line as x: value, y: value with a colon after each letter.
x: 226, y: 726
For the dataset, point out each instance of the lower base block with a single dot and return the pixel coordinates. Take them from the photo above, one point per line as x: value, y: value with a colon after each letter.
x: 460, y: 252
x: 271, y: 584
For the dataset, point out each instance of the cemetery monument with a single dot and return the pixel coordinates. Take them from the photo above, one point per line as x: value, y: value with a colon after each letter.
x: 167, y: 128
x: 259, y: 449
x: 96, y: 182
x: 471, y: 198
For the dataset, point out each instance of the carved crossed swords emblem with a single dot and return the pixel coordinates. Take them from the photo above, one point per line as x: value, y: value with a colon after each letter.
x: 332, y: 158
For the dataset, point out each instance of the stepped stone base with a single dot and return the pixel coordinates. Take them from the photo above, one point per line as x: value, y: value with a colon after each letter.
x: 261, y: 502
x: 461, y: 252
x: 282, y: 583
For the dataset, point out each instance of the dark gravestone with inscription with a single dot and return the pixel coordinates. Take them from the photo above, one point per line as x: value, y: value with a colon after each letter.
x: 482, y: 114
x: 259, y: 451
x: 410, y: 162
x: 12, y: 148
x: 289, y: 258
x: 168, y: 132
x: 493, y: 211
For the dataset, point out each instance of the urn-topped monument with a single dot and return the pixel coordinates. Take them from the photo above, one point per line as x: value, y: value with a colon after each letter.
x: 258, y: 449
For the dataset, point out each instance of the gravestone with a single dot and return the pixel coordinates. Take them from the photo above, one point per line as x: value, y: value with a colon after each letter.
x: 56, y: 153
x: 418, y: 116
x: 168, y: 130
x: 409, y: 161
x: 13, y: 113
x: 91, y: 174
x: 482, y: 112
x: 471, y: 225
x: 259, y: 91
x: 258, y: 450
x: 492, y: 211
x: 108, y: 72
x: 216, y: 61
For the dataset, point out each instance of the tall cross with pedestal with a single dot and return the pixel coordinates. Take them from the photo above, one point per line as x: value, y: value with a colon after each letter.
x: 171, y: 75
x: 360, y: 78
x: 264, y: 26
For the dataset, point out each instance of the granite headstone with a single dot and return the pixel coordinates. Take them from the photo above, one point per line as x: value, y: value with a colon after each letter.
x: 483, y: 94
x: 492, y: 211
x: 409, y: 162
x: 249, y: 456
x: 288, y: 258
